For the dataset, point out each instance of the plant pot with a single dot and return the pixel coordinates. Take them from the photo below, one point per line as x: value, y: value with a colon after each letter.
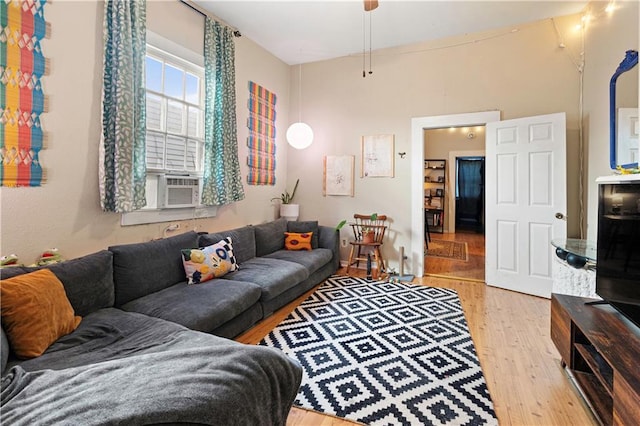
x: 368, y: 237
x: 290, y: 211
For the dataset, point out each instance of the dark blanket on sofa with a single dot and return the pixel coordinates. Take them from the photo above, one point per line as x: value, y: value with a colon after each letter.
x: 131, y: 369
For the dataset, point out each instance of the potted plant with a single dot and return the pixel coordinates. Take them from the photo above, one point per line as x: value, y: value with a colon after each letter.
x: 288, y: 210
x: 368, y: 236
x: 367, y: 233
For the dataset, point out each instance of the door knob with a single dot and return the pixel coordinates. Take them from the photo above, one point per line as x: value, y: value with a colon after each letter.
x: 561, y: 216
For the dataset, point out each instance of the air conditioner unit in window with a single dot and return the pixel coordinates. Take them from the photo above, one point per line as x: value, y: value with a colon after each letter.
x: 176, y: 191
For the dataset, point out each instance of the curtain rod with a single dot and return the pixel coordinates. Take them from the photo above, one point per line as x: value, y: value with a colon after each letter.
x: 198, y: 9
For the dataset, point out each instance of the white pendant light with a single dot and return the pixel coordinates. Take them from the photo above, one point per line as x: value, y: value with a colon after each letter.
x: 299, y: 135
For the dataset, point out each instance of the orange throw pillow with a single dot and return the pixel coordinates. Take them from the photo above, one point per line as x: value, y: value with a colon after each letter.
x: 35, y: 312
x: 295, y: 241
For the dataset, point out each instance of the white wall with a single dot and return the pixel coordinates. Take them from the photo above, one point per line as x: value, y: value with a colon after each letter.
x: 521, y: 73
x: 607, y: 39
x: 65, y: 212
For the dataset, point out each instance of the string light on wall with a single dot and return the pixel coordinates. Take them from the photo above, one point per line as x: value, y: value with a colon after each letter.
x: 300, y: 134
x: 587, y: 17
x: 610, y: 7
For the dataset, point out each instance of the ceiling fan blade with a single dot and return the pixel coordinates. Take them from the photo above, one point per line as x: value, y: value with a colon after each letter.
x: 369, y: 5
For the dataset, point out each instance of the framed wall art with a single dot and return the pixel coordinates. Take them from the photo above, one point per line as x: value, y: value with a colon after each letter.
x: 377, y: 156
x: 338, y: 175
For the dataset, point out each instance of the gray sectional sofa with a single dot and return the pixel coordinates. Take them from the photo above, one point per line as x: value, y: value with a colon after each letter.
x: 152, y: 349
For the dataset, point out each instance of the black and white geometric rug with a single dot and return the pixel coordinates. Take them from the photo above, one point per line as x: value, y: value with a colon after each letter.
x: 386, y: 353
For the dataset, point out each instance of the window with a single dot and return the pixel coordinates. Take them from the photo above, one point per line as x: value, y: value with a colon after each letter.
x: 175, y: 127
x: 175, y: 113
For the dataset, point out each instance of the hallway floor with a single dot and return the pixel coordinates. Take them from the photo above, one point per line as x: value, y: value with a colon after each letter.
x: 473, y: 269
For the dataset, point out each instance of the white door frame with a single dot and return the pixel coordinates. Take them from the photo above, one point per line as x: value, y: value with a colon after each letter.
x: 418, y: 125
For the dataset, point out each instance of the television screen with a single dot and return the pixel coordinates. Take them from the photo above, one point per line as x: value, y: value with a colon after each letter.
x: 618, y: 259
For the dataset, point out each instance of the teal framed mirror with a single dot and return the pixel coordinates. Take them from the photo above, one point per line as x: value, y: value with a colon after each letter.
x: 618, y: 154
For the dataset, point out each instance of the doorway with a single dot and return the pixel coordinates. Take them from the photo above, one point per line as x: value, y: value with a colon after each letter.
x: 456, y: 248
x: 418, y: 126
x: 469, y: 193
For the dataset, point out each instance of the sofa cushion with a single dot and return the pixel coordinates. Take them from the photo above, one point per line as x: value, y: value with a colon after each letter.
x: 35, y: 312
x: 4, y: 350
x: 305, y: 226
x: 311, y: 260
x: 214, y: 261
x: 87, y: 280
x: 272, y: 275
x: 270, y: 236
x: 143, y: 268
x: 244, y: 241
x: 104, y: 335
x: 202, y: 307
x: 296, y: 241
x: 157, y: 373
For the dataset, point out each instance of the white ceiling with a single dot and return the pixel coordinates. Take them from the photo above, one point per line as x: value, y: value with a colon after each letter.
x: 300, y: 31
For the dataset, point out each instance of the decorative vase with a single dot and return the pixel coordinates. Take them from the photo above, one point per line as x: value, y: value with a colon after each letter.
x: 290, y: 211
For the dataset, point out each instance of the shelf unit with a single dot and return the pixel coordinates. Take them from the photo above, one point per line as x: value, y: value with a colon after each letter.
x: 435, y: 190
x: 599, y: 348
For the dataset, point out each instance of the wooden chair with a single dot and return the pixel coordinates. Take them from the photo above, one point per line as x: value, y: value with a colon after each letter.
x: 368, y: 232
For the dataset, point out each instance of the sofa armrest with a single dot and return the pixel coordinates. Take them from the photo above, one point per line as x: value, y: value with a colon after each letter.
x: 329, y: 238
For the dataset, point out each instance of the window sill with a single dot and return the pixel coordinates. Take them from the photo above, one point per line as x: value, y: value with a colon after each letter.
x: 144, y: 216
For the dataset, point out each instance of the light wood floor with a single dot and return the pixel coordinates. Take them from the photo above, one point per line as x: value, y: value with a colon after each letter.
x: 472, y: 269
x: 520, y: 363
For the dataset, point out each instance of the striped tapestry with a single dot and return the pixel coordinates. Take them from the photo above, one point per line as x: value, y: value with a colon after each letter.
x: 261, y: 143
x: 22, y: 101
x: 262, y: 132
x: 260, y: 160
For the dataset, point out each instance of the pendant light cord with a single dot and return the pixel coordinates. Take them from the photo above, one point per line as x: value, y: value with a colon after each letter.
x: 370, y: 41
x: 300, y: 93
x: 364, y: 43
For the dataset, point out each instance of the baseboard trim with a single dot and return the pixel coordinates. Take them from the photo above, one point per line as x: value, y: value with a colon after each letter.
x: 448, y: 277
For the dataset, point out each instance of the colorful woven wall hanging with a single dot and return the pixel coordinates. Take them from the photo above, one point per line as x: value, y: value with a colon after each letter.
x: 22, y: 101
x: 262, y: 132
